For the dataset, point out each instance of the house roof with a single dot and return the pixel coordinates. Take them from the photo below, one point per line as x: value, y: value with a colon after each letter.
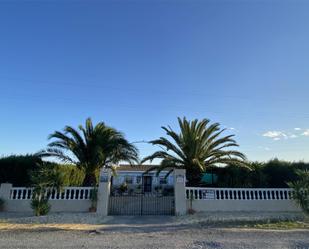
x: 143, y: 167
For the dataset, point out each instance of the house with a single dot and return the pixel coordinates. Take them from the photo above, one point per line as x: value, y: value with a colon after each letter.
x: 133, y: 179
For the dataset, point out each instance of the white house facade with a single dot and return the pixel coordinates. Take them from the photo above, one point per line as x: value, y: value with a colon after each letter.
x: 130, y: 179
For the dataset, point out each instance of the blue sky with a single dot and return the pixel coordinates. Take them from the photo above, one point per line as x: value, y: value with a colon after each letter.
x: 137, y: 65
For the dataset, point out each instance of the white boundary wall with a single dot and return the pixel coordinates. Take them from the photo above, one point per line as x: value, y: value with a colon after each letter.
x: 240, y: 199
x: 71, y: 199
x: 78, y: 199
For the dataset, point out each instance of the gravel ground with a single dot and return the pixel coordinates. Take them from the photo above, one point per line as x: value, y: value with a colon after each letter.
x: 153, y: 232
x: 177, y: 238
x: 53, y: 218
x: 93, y: 218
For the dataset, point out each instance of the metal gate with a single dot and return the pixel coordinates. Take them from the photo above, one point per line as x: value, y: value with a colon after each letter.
x: 141, y: 205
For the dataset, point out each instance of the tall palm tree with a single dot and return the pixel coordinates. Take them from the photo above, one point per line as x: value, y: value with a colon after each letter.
x: 198, y: 146
x: 91, y: 148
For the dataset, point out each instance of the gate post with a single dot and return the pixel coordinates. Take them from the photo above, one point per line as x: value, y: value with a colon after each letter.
x: 104, y: 191
x: 5, y: 191
x: 180, y: 191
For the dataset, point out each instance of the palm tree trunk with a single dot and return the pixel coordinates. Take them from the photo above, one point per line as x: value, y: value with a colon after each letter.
x: 90, y: 179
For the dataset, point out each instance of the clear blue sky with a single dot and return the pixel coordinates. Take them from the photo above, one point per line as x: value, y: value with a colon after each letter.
x: 138, y: 65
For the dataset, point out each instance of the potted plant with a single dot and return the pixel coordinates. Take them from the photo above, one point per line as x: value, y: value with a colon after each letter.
x: 123, y: 188
x: 139, y: 189
x: 94, y: 200
x: 158, y: 189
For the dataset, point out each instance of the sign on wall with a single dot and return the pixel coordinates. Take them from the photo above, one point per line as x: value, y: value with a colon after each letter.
x: 208, y: 194
x: 180, y: 178
x: 104, y: 177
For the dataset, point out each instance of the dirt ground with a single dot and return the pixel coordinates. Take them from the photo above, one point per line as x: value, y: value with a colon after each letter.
x: 144, y: 232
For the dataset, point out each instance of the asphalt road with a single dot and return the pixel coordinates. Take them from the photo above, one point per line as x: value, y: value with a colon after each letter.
x: 155, y: 237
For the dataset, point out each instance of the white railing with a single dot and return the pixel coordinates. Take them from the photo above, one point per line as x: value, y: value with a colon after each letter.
x: 68, y: 193
x: 238, y: 193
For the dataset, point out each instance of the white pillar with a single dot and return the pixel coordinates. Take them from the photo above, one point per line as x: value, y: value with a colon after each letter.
x: 104, y: 191
x: 5, y: 191
x: 180, y: 191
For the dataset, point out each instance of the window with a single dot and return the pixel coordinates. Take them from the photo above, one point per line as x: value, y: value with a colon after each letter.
x: 163, y: 180
x: 129, y: 179
x: 138, y: 180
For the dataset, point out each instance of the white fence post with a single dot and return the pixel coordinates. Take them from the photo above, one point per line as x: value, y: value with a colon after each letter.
x: 104, y: 191
x: 180, y: 191
x: 5, y: 192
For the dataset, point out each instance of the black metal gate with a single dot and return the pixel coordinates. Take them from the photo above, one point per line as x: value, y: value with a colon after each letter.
x: 141, y: 205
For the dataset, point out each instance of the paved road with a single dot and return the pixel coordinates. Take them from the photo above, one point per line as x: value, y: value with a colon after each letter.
x: 153, y: 234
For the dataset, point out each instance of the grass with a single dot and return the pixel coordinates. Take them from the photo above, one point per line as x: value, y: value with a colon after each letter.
x: 35, y: 227
x: 283, y: 225
x: 271, y: 224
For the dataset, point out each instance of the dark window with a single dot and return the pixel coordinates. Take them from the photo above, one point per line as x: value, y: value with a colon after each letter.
x: 163, y: 180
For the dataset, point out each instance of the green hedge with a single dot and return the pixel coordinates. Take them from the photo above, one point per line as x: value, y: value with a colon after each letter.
x: 73, y: 175
x: 17, y: 170
x: 272, y: 174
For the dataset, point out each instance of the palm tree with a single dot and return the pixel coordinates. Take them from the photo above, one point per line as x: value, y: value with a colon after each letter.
x: 301, y: 190
x: 198, y: 146
x: 91, y: 148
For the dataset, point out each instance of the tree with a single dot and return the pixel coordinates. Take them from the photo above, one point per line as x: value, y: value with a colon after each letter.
x: 91, y: 148
x: 198, y: 146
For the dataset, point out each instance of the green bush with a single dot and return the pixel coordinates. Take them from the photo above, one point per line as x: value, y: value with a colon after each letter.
x: 278, y: 173
x: 123, y: 187
x: 40, y: 206
x: 233, y: 176
x: 94, y: 198
x: 72, y: 176
x: 16, y: 169
x: 301, y: 190
x: 45, y: 179
x: 272, y: 174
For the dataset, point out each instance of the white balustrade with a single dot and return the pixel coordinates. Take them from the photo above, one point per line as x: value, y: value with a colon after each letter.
x: 238, y: 193
x: 68, y: 193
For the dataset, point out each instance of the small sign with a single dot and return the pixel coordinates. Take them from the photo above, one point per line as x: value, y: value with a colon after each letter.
x: 208, y: 194
x: 180, y: 178
x: 104, y: 177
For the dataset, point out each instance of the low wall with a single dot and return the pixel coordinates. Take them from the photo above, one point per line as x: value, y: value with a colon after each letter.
x: 244, y: 205
x: 56, y: 205
x: 71, y: 199
x: 241, y: 199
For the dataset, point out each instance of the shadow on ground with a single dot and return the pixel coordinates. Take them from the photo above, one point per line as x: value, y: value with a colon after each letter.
x: 142, y: 224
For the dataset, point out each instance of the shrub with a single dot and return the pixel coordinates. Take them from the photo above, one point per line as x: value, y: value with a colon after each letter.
x: 278, y: 173
x: 301, y: 190
x: 72, y: 176
x: 123, y: 188
x: 40, y: 206
x: 44, y: 179
x: 17, y: 169
x: 94, y: 200
x: 272, y: 174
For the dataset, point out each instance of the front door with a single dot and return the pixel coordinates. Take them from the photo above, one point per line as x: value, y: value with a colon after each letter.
x: 147, y: 182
